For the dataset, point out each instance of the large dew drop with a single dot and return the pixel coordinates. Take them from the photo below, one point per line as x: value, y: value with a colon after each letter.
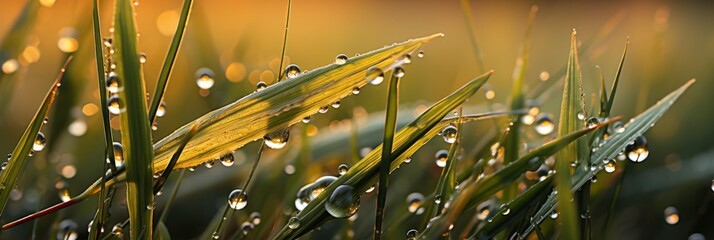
x: 277, y: 139
x: 449, y: 134
x: 112, y: 82
x: 113, y: 104
x: 375, y: 75
x: 227, y: 160
x: 204, y: 78
x: 237, y: 199
x: 341, y: 59
x: 441, y: 156
x: 294, y: 223
x: 343, y: 202
x: 40, y: 142
x: 292, y: 71
x: 544, y: 124
x: 637, y: 151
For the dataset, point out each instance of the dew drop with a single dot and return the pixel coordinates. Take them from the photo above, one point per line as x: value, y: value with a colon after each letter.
x: 342, y: 169
x: 292, y: 71
x: 592, y: 122
x: 343, y: 202
x: 237, y: 199
x: 40, y: 142
x: 618, y: 127
x: 637, y: 151
x: 581, y: 116
x: 671, y: 215
x: 142, y: 57
x: 320, y: 185
x: 441, y: 156
x: 420, y: 54
x: 412, y: 234
x: 3, y: 166
x: 112, y: 82
x: 204, y: 78
x: 323, y: 109
x: 277, y: 139
x: 336, y: 104
x: 375, y: 75
x: 610, y: 166
x: 370, y: 189
x: 306, y: 119
x: 341, y: 59
x: 67, y: 230
x: 437, y: 199
x: 449, y: 134
x: 414, y: 202
x: 255, y: 218
x: 554, y: 215
x: 246, y: 227
x: 117, y: 231
x: 294, y: 223
x: 506, y: 211
x: 355, y: 90
x: 399, y: 72
x: 113, y: 104
x: 544, y: 124
x: 62, y: 190
x: 161, y: 110
x: 227, y: 160
x: 407, y: 58
x: 260, y: 86
x: 208, y: 164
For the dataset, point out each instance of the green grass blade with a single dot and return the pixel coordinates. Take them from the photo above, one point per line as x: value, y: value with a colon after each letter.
x: 390, y: 125
x: 512, y: 142
x: 163, y: 80
x: 285, y: 41
x: 135, y: 131
x: 19, y: 159
x: 609, y: 150
x: 571, y: 109
x: 364, y: 173
x: 613, y: 91
x: 475, y: 191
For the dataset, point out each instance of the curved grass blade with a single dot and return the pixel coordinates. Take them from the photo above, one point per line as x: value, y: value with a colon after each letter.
x: 514, y: 210
x: 135, y: 131
x: 364, y: 173
x: 19, y: 159
x: 473, y: 191
x: 571, y: 119
x: 609, y: 150
x: 390, y: 124
x: 170, y: 59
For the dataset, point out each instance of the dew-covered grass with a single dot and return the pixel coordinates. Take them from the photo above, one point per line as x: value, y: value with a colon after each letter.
x: 159, y: 132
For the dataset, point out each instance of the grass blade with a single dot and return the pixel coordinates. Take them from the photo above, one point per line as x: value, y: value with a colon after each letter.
x: 468, y: 17
x: 390, y: 124
x: 19, y: 159
x: 165, y: 174
x: 474, y: 191
x: 608, y: 107
x: 609, y: 150
x: 571, y: 118
x: 135, y: 131
x: 163, y: 80
x: 285, y: 41
x: 364, y: 173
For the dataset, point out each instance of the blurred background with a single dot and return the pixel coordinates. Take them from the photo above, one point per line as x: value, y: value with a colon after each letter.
x: 240, y: 41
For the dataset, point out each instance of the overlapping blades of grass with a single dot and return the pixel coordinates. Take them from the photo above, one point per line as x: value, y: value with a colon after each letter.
x: 474, y: 191
x: 609, y: 150
x: 18, y: 160
x: 135, y: 131
x: 364, y: 173
x: 278, y: 106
